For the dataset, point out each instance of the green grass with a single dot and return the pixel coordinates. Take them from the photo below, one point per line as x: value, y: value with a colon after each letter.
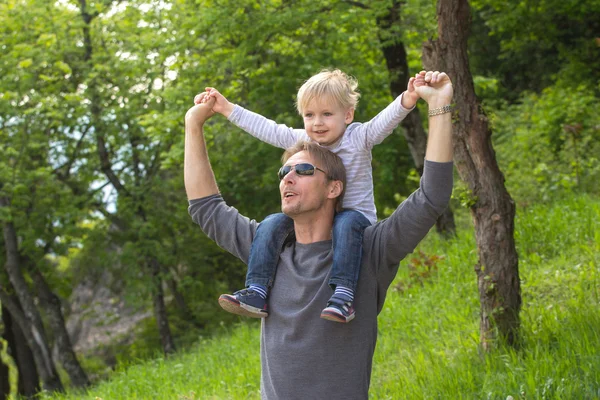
x: 428, y: 345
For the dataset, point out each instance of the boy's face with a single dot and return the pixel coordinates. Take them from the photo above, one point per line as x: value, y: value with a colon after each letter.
x: 325, y: 121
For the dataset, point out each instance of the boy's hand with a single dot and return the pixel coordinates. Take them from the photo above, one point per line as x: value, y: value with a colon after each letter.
x: 222, y: 106
x: 434, y: 87
x: 410, y: 96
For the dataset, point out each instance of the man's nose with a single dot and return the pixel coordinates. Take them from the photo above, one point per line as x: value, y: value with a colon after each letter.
x: 290, y: 176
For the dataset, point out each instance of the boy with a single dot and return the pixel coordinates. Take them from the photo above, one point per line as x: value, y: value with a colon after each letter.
x: 326, y: 102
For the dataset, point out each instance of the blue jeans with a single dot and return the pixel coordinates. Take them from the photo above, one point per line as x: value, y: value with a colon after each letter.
x: 271, y: 235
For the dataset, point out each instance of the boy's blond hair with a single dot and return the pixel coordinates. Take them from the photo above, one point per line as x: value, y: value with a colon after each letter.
x: 332, y: 85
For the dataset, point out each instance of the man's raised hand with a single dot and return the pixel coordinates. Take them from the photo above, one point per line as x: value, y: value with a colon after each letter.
x: 201, y: 111
x: 434, y: 87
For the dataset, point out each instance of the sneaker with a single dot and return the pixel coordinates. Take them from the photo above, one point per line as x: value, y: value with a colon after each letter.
x: 338, y: 310
x: 245, y: 302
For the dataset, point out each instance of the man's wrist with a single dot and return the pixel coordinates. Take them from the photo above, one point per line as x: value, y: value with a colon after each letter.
x: 194, y: 127
x: 438, y: 102
x: 439, y: 110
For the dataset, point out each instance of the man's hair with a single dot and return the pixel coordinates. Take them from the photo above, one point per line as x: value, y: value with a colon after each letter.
x: 328, y: 161
x: 331, y: 86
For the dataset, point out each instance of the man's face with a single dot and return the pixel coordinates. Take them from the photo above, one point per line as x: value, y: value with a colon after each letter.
x: 301, y: 194
x: 325, y: 121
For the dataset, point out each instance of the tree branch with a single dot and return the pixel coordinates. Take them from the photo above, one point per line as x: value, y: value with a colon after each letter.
x: 357, y: 4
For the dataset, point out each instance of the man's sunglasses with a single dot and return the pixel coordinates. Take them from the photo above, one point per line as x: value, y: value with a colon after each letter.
x: 303, y: 169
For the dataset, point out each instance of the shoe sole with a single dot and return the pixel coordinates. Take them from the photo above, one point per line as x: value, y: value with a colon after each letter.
x: 331, y: 316
x: 235, y: 307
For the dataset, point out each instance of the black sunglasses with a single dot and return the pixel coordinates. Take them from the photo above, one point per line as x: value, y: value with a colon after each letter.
x: 304, y: 169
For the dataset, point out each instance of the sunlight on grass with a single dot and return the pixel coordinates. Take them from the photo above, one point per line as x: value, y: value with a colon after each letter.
x: 226, y: 367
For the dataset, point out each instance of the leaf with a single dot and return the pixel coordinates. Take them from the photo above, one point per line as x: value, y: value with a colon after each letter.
x: 25, y: 63
x: 47, y: 39
x: 64, y: 67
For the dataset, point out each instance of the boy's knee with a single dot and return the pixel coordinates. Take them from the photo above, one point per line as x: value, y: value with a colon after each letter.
x: 354, y: 221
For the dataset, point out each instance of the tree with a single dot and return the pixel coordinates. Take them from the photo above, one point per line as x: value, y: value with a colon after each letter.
x: 37, y: 211
x: 492, y: 208
x: 119, y: 140
x: 29, y: 381
x: 26, y: 315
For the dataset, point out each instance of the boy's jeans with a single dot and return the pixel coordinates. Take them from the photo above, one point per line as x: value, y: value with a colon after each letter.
x: 348, y: 228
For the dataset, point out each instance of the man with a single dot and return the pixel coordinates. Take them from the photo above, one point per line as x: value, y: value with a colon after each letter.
x: 302, y: 355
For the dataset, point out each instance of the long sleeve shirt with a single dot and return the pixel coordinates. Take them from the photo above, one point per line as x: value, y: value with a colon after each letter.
x: 306, y: 357
x: 354, y: 148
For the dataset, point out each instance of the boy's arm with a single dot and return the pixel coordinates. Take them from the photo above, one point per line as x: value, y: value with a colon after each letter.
x: 264, y: 129
x: 258, y: 126
x: 373, y: 132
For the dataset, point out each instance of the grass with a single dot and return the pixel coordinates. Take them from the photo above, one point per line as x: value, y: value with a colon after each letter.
x: 428, y: 345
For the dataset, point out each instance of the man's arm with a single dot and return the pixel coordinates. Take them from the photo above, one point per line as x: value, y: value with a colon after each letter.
x: 198, y: 174
x: 223, y: 224
x: 390, y: 240
x: 411, y: 221
x: 264, y: 129
x: 436, y: 89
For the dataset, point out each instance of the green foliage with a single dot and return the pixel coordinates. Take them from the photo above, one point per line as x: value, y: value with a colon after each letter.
x: 43, y: 185
x: 13, y: 370
x: 548, y: 144
x: 463, y: 195
x: 527, y: 44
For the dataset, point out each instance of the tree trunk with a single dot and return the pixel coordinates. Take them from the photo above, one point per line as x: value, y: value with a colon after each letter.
x: 179, y: 299
x: 160, y: 310
x: 66, y: 355
x: 416, y: 138
x: 41, y: 354
x: 29, y: 380
x: 31, y: 321
x: 493, y: 210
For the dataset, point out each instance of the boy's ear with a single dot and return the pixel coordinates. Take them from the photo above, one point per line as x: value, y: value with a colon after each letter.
x: 349, y: 115
x: 335, y: 189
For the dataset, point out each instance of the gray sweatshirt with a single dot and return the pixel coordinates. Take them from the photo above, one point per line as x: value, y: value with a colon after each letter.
x: 302, y: 355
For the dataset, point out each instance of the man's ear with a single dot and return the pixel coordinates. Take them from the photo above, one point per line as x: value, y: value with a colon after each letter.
x: 349, y: 115
x: 335, y: 189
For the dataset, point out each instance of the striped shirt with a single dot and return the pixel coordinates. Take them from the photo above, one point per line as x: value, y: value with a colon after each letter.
x: 354, y: 148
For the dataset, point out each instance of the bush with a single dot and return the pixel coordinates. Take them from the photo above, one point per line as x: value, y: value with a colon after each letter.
x: 548, y: 144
